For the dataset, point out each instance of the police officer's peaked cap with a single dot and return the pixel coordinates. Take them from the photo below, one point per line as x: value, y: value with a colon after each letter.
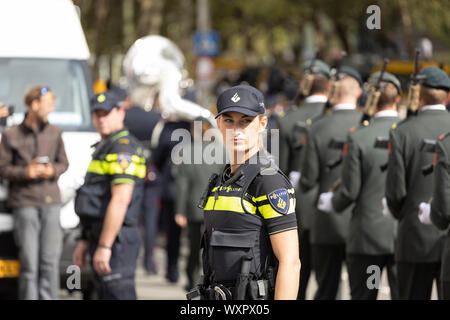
x: 319, y: 67
x: 387, y: 77
x: 435, y: 78
x: 351, y: 72
x: 105, y: 101
x: 243, y: 99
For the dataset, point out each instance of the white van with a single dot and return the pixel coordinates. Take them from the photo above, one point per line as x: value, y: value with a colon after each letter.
x: 42, y: 43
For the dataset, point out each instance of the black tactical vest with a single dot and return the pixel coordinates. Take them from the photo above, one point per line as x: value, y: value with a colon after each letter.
x: 232, y: 233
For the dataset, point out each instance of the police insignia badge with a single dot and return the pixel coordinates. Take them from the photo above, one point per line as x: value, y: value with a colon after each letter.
x: 279, y: 200
x: 124, y: 160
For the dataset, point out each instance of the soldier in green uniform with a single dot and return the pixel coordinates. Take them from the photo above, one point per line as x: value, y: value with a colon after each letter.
x: 311, y: 108
x: 329, y: 231
x: 290, y: 160
x: 371, y: 235
x: 192, y: 171
x: 440, y: 207
x: 440, y: 212
x: 418, y: 247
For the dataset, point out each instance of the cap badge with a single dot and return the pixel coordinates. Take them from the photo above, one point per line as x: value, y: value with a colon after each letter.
x: 235, y: 98
x: 101, y: 98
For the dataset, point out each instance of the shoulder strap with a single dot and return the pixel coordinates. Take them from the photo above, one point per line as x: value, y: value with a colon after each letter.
x: 211, y: 183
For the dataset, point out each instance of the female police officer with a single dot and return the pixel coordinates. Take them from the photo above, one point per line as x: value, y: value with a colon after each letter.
x: 250, y: 241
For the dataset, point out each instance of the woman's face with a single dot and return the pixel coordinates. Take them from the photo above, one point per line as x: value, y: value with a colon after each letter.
x: 241, y: 133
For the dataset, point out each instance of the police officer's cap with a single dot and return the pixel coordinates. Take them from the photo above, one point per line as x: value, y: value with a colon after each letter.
x: 351, y: 72
x: 243, y: 99
x: 319, y: 67
x: 387, y: 77
x: 105, y: 101
x: 435, y: 78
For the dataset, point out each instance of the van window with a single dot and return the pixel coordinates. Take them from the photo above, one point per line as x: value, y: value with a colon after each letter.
x: 66, y: 78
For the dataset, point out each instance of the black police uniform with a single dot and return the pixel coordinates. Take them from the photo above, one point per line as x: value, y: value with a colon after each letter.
x: 242, y: 209
x: 117, y: 159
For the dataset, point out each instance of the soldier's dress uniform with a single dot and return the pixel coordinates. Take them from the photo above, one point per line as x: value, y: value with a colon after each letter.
x: 419, y: 247
x: 440, y: 206
x: 328, y: 230
x: 117, y: 159
x: 290, y: 163
x: 371, y: 235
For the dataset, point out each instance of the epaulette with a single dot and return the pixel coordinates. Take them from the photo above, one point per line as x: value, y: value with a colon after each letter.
x: 443, y: 136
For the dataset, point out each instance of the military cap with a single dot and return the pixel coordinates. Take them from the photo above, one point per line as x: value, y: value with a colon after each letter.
x: 243, y: 99
x: 351, y: 72
x: 319, y: 67
x: 387, y: 77
x: 105, y: 101
x: 435, y: 78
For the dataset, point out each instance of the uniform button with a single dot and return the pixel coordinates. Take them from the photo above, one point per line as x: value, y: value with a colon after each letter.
x: 48, y: 199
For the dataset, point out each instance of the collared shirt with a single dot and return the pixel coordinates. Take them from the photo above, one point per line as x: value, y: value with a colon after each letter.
x: 434, y: 107
x: 316, y: 98
x: 386, y: 113
x: 270, y: 197
x: 344, y: 106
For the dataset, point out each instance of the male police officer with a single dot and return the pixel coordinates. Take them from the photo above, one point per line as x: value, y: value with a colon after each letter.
x: 291, y: 155
x: 248, y: 208
x: 371, y: 235
x: 109, y: 202
x: 419, y: 247
x: 328, y: 230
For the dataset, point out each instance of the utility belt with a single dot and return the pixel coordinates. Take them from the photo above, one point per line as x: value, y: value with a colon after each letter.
x: 254, y: 290
x: 243, y: 288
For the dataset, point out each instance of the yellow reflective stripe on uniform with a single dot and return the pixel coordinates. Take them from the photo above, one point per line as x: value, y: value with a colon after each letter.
x: 110, y: 168
x: 229, y: 204
x: 268, y: 212
x: 134, y: 158
x: 262, y: 198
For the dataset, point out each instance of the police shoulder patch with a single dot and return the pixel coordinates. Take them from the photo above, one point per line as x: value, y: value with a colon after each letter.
x: 124, y: 160
x: 279, y: 200
x: 123, y: 141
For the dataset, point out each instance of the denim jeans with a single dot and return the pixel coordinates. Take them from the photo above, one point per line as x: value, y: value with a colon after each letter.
x: 39, y: 238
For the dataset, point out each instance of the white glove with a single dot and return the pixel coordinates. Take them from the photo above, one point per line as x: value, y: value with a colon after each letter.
x: 294, y: 177
x: 324, y: 204
x: 386, y: 211
x: 424, y: 213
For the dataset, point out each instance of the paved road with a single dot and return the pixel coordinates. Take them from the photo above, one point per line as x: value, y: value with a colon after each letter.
x: 156, y: 287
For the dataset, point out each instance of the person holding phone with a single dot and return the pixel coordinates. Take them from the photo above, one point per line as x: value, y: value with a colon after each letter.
x: 32, y: 157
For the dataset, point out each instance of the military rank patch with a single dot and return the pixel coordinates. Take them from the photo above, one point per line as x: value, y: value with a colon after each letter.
x: 124, y: 160
x: 123, y: 141
x: 279, y: 200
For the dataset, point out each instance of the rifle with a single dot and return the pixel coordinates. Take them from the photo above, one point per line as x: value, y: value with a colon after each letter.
x: 332, y: 93
x: 334, y: 75
x: 414, y: 88
x: 374, y: 95
x: 308, y: 78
